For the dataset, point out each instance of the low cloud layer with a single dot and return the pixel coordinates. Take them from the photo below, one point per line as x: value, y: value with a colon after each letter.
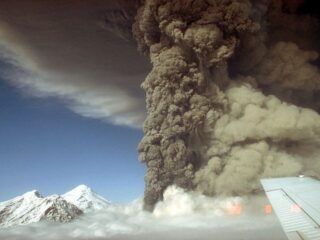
x: 79, y: 51
x: 180, y: 216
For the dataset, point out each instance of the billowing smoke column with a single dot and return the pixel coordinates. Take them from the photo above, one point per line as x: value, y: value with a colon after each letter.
x: 223, y: 92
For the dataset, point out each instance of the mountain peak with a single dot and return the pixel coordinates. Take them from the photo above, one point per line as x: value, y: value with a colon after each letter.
x: 32, y: 207
x: 32, y: 194
x: 85, y: 198
x: 82, y: 188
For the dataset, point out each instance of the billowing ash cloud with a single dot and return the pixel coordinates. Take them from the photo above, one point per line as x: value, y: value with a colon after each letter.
x: 79, y: 51
x: 230, y: 98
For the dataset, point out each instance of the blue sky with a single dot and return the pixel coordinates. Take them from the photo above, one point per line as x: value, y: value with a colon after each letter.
x: 47, y: 147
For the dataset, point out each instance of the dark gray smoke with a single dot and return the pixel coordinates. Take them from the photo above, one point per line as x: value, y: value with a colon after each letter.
x: 226, y: 93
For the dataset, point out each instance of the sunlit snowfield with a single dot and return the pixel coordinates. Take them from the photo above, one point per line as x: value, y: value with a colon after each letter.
x: 179, y: 216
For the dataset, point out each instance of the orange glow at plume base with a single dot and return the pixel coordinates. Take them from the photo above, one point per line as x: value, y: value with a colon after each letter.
x: 267, y: 209
x: 235, y: 209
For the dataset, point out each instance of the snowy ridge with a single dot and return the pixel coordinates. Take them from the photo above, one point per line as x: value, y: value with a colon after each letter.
x: 86, y: 199
x: 32, y: 207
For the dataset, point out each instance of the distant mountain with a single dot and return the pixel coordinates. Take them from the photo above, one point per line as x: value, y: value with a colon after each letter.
x: 86, y: 199
x: 32, y: 207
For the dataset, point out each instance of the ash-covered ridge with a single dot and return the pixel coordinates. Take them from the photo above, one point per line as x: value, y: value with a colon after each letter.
x: 32, y: 207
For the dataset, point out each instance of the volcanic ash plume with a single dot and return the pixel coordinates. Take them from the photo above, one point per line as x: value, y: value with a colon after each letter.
x: 222, y: 96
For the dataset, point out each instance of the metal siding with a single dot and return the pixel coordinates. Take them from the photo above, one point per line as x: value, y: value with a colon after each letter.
x: 296, y: 202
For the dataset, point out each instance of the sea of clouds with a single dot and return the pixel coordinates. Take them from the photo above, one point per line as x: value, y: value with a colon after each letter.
x: 180, y: 215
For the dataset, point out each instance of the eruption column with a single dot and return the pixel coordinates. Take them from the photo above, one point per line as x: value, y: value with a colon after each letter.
x: 188, y: 42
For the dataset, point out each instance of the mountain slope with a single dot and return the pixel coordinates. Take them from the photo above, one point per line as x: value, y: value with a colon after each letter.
x: 86, y: 199
x: 32, y: 207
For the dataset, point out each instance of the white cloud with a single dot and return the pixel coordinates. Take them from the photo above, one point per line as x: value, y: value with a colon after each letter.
x: 66, y: 52
x: 198, y: 217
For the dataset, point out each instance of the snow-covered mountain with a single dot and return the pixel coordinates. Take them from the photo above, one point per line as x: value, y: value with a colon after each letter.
x: 32, y: 207
x: 86, y: 199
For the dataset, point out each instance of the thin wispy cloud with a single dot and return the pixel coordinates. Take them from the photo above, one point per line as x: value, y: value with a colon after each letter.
x: 66, y: 50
